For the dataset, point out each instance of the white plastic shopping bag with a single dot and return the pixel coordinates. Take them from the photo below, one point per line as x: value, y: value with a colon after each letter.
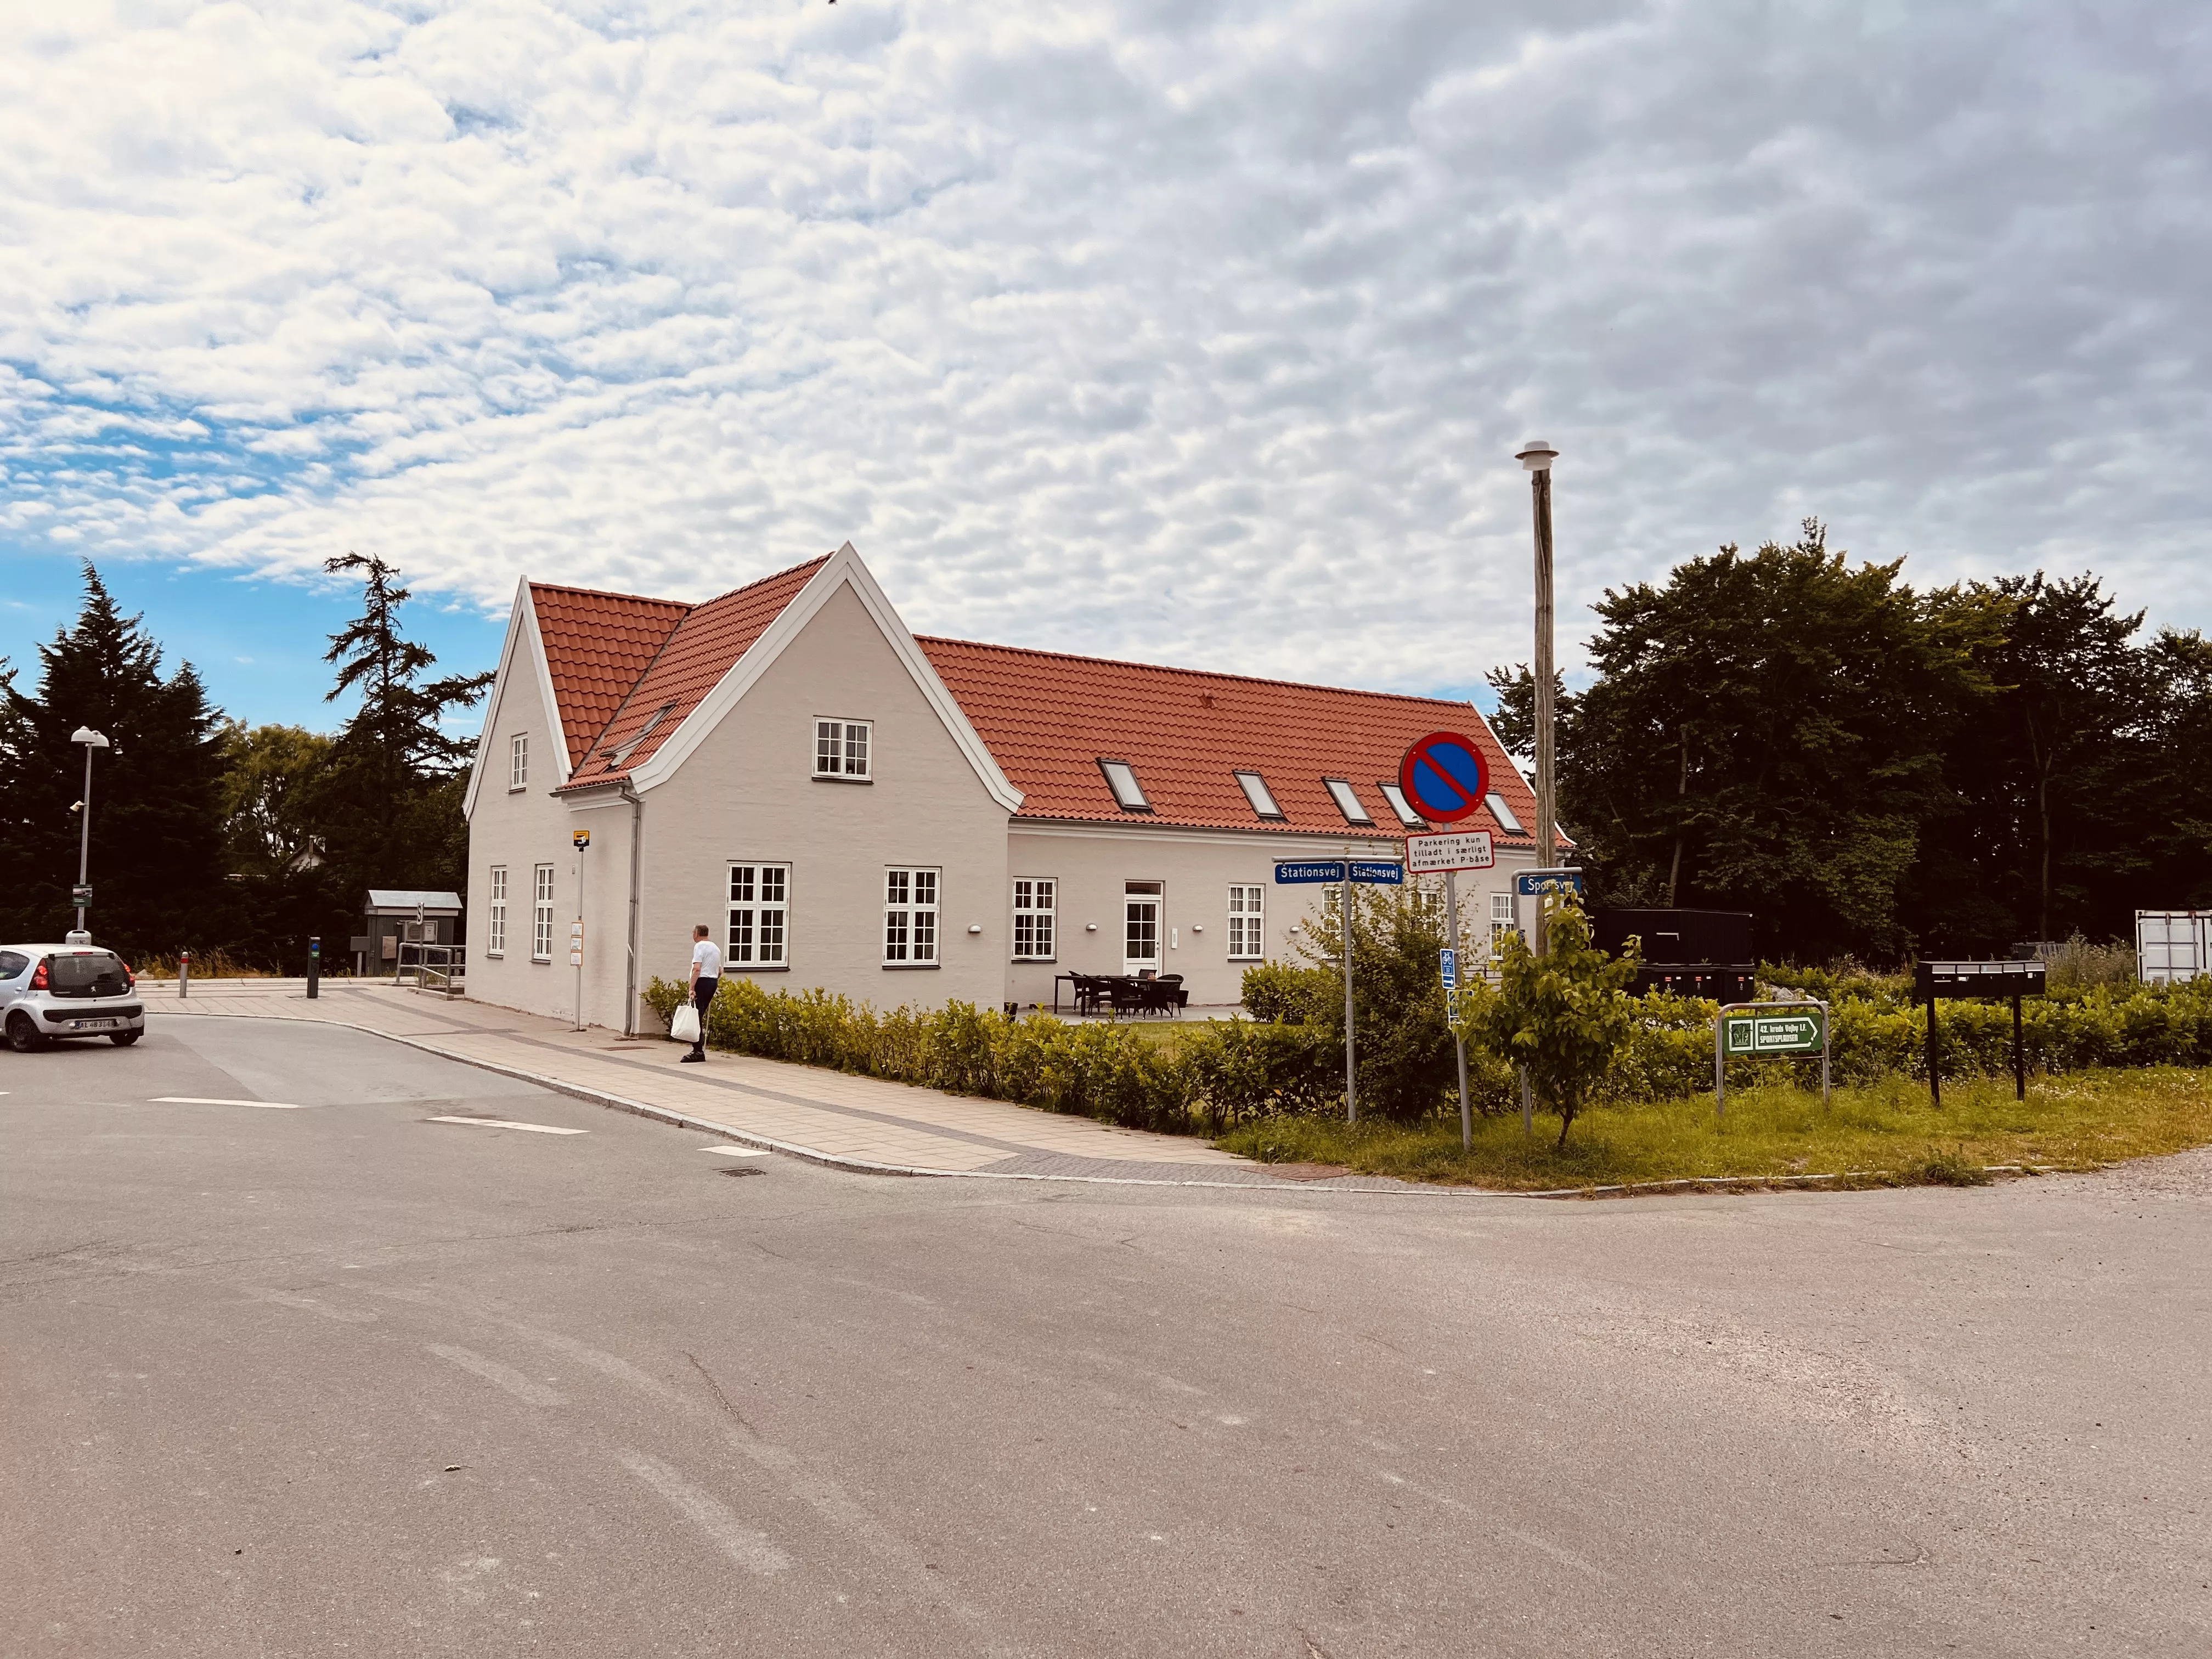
x: 685, y: 1026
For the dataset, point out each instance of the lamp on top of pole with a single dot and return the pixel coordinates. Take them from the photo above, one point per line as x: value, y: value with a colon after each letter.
x: 91, y: 740
x: 1537, y: 457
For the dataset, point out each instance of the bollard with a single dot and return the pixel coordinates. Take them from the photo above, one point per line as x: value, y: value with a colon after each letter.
x: 184, y: 973
x: 315, y: 966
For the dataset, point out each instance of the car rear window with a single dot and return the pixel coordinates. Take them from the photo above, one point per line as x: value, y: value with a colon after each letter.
x: 83, y: 969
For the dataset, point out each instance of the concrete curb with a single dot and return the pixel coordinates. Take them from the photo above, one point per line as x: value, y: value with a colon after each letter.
x: 867, y: 1166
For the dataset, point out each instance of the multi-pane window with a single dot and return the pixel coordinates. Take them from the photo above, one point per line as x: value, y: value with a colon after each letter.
x: 909, y: 915
x: 841, y: 748
x: 496, y: 923
x: 760, y: 915
x: 518, y: 761
x: 1141, y: 926
x: 1501, y: 921
x: 541, y: 921
x: 1033, y: 919
x: 1247, y: 938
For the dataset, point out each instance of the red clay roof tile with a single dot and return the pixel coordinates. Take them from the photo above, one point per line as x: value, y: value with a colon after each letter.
x: 704, y: 646
x: 627, y: 670
x: 1049, y: 719
x: 596, y: 646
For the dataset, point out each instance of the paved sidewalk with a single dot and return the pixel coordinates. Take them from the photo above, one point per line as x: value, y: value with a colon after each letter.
x: 856, y: 1122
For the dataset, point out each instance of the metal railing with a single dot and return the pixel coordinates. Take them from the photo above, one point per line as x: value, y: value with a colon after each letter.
x: 439, y: 968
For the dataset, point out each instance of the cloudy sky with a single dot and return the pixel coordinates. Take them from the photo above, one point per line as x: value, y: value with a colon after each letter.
x: 1193, y: 331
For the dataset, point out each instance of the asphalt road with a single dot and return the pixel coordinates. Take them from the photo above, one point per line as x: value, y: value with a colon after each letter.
x: 343, y: 1379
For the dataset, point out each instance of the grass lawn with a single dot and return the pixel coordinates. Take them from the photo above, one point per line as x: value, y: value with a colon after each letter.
x: 2080, y: 1121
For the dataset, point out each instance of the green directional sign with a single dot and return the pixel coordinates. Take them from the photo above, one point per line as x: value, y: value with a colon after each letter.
x: 1759, y: 1034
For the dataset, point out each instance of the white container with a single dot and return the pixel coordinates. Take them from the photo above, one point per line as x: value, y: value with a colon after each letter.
x: 2173, y: 945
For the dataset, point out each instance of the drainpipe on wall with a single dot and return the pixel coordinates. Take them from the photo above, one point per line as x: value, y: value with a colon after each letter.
x: 629, y: 976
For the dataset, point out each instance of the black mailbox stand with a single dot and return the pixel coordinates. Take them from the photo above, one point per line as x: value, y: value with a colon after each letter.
x: 1935, y: 980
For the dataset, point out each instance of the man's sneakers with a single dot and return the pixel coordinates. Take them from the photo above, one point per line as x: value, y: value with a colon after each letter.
x: 692, y: 1059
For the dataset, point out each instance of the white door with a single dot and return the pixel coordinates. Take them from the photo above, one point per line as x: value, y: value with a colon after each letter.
x: 1140, y: 930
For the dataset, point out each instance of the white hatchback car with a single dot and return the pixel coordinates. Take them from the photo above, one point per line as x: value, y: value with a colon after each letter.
x: 49, y: 991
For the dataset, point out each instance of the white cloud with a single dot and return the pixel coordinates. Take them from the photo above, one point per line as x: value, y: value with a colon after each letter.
x: 1193, y: 331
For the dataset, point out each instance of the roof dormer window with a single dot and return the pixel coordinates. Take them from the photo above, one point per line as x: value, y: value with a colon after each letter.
x: 1346, y: 802
x: 1256, y: 792
x: 1121, y: 779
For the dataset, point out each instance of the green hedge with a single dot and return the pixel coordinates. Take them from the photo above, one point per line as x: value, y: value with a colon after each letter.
x: 1195, y: 1078
x: 1209, y: 1078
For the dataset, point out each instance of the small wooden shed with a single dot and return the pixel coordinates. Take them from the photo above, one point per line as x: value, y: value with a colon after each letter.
x: 392, y: 914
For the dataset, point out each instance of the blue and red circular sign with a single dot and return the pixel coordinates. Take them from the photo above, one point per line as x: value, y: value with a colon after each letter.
x: 1443, y: 777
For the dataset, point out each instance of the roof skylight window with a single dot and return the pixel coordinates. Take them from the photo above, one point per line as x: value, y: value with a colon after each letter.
x: 1346, y: 802
x: 619, y: 758
x: 1399, y: 804
x: 1121, y: 779
x: 1255, y: 790
x: 1504, y: 814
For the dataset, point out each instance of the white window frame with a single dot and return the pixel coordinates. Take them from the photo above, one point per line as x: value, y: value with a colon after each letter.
x: 844, y: 750
x: 518, y: 762
x: 1036, y: 919
x: 1347, y: 800
x: 1261, y: 797
x: 1398, y: 803
x: 1155, y: 894
x: 759, y: 893
x: 1121, y: 782
x: 913, y: 895
x: 1247, y: 922
x: 541, y: 914
x: 1502, y: 921
x: 1504, y: 814
x: 495, y: 919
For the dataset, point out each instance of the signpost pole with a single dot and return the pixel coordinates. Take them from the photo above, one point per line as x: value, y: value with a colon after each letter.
x: 1827, y: 1037
x: 1720, y: 1071
x: 2018, y: 1054
x: 1934, y: 1082
x: 1350, y: 1080
x: 583, y: 839
x: 1459, y: 1044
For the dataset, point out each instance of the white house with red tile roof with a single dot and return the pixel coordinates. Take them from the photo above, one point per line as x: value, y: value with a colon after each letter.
x: 908, y: 820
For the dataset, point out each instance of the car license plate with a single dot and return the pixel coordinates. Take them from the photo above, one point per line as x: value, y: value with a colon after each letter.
x: 94, y: 1025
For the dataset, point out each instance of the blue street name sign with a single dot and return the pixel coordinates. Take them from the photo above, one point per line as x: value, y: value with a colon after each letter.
x: 1447, y: 962
x: 1534, y: 882
x: 1377, y: 874
x: 1309, y: 872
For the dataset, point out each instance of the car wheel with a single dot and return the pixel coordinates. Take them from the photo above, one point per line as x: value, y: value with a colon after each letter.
x: 23, y: 1036
x: 124, y: 1039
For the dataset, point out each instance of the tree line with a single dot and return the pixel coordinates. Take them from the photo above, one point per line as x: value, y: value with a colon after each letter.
x: 1876, y: 770
x: 211, y: 835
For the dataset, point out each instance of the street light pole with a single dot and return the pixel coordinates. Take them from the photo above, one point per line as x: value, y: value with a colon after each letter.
x: 1537, y: 457
x: 91, y: 740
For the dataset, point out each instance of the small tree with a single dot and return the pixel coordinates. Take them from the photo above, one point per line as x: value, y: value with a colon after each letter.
x: 1564, y: 1016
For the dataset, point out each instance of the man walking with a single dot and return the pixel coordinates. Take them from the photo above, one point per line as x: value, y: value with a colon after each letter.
x: 706, y: 979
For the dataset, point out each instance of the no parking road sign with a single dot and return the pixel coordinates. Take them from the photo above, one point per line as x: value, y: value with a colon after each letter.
x: 1445, y: 777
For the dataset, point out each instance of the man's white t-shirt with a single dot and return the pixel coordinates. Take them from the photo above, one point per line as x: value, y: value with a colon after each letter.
x: 706, y: 959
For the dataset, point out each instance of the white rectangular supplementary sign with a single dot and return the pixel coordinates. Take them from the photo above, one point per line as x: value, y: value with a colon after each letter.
x: 1465, y: 849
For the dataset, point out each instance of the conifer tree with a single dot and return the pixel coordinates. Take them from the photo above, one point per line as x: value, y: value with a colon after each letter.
x: 157, y: 862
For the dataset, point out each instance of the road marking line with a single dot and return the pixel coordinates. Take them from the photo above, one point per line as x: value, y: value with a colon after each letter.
x: 737, y: 1151
x: 506, y: 1376
x: 750, y: 1549
x: 202, y: 1100
x: 504, y: 1123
